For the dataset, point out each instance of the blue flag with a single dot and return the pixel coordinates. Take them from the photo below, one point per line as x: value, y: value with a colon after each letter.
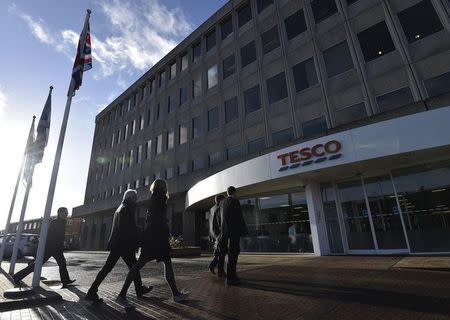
x: 43, y: 129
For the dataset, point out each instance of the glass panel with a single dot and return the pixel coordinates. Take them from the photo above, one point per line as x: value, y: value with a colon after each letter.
x: 438, y: 85
x: 332, y: 220
x: 252, y: 99
x: 385, y: 214
x: 211, y: 40
x: 226, y: 27
x: 248, y: 54
x: 256, y: 145
x: 276, y: 88
x: 337, y: 59
x: 351, y: 113
x: 244, y: 14
x: 356, y: 217
x: 270, y: 40
x: 375, y: 41
x: 295, y: 24
x: 212, y: 77
x: 395, y: 99
x: 228, y: 66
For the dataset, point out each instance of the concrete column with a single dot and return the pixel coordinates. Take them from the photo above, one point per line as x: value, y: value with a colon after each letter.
x: 317, y: 219
x: 189, y: 228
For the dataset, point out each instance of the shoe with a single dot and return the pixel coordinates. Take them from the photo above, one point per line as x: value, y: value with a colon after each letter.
x: 123, y: 301
x: 221, y: 273
x: 143, y: 290
x: 232, y: 282
x: 211, y: 268
x: 93, y: 296
x: 182, y: 296
x: 66, y: 284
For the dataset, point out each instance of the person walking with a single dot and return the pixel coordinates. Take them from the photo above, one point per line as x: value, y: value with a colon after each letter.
x: 233, y: 227
x: 122, y: 243
x: 215, y: 230
x: 155, y: 244
x: 54, y: 247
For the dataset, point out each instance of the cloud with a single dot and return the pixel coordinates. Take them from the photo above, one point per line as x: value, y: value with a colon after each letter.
x: 3, y: 101
x: 37, y: 28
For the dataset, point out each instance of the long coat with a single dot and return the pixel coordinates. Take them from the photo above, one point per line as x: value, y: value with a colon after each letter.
x: 124, y: 232
x: 233, y: 224
x: 55, y: 236
x: 215, y: 221
x: 156, y: 235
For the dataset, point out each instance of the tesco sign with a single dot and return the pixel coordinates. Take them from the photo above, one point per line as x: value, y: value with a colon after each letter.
x: 309, y: 155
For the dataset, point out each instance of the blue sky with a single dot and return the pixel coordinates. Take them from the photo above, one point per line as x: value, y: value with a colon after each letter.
x: 39, y: 38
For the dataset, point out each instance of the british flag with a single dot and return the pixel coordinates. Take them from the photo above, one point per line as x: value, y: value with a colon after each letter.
x: 83, y: 59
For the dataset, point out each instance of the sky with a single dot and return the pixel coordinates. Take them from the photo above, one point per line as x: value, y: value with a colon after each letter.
x: 39, y: 43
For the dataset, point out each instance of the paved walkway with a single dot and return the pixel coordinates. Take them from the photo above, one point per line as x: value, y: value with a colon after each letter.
x: 281, y: 287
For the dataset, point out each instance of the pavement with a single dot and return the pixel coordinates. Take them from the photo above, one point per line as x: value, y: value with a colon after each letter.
x: 274, y: 287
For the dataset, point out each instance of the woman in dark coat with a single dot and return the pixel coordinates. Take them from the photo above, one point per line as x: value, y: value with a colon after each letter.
x: 155, y: 244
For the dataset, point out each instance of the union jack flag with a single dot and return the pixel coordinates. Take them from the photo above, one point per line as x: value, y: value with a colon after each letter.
x: 83, y: 59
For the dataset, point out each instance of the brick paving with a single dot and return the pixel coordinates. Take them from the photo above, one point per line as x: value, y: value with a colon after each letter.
x: 279, y: 288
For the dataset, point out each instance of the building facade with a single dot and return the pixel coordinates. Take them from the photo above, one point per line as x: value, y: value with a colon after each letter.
x: 328, y: 116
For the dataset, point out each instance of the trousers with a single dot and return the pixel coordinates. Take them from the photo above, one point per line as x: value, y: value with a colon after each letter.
x: 60, y: 260
x: 233, y: 253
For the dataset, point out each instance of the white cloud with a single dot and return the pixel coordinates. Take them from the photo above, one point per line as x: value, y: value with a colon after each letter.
x: 37, y: 28
x: 3, y: 101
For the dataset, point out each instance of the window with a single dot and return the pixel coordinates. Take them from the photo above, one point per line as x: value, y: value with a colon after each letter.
x: 133, y: 127
x: 234, y: 152
x: 263, y: 4
x: 375, y: 41
x: 351, y: 113
x: 118, y: 136
x: 183, y: 95
x: 283, y: 136
x: 210, y: 39
x: 410, y: 17
x: 314, y: 127
x: 226, y: 27
x: 170, y: 103
x: 304, y: 74
x: 295, y: 24
x: 270, y: 40
x: 197, y: 164
x: 438, y: 85
x: 197, y: 86
x: 323, y: 9
x: 196, y: 52
x: 141, y: 122
x: 276, y: 88
x: 130, y: 158
x: 139, y: 154
x: 158, y: 109
x: 248, y: 54
x: 212, y: 77
x: 252, y: 99
x: 214, y: 158
x: 125, y: 132
x: 147, y: 181
x: 158, y: 144
x: 394, y: 99
x: 256, y: 145
x: 113, y: 139
x: 182, y: 168
x: 182, y: 134
x: 231, y: 109
x: 149, y: 116
x: 337, y: 59
x: 229, y: 66
x: 244, y: 14
x: 170, y: 140
x: 130, y: 102
x: 173, y: 71
x: 137, y: 184
x: 169, y: 173
x: 148, y: 149
x: 213, y: 118
x: 162, y: 77
x: 184, y: 61
x: 197, y: 127
x: 116, y: 164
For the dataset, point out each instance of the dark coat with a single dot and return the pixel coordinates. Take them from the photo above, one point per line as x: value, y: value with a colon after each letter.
x: 215, y: 221
x: 233, y: 224
x: 55, y: 236
x: 156, y: 234
x: 124, y: 232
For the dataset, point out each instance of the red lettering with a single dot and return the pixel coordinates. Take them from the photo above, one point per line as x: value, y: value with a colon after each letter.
x: 283, y: 158
x: 314, y: 151
x: 333, y: 146
x: 293, y: 156
x: 305, y: 154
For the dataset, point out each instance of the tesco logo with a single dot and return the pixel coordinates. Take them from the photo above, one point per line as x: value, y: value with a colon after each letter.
x: 309, y: 155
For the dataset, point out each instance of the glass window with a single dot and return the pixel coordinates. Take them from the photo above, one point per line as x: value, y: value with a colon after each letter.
x: 147, y: 181
x: 125, y: 132
x: 226, y: 27
x: 162, y: 78
x: 197, y: 164
x: 323, y: 9
x: 231, y: 109
x: 263, y: 4
x: 133, y: 127
x: 197, y: 127
x: 213, y: 118
x: 438, y: 85
x: 158, y: 109
x: 276, y: 88
x: 283, y: 136
x: 351, y: 113
x: 331, y: 219
x: 422, y: 11
x: 182, y: 168
x: 248, y: 54
x: 349, y: 2
x: 256, y: 145
x: 148, y: 149
x: 158, y: 144
x: 295, y: 24
x: 314, y: 127
x: 394, y: 99
x: 337, y: 59
x: 149, y: 116
x: 184, y: 61
x: 229, y: 66
x: 305, y: 74
x: 234, y: 152
x: 270, y: 40
x: 375, y: 41
x: 139, y: 154
x: 197, y: 86
x: 169, y: 173
x: 130, y: 158
x: 212, y: 77
x: 170, y: 140
x: 210, y: 39
x: 170, y: 104
x: 173, y: 70
x: 183, y: 95
x: 141, y: 122
x: 244, y: 14
x: 182, y: 134
x: 196, y: 52
x: 252, y: 99
x: 214, y: 158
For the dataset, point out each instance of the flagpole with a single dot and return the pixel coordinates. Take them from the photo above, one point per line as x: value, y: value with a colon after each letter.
x: 13, y: 201
x: 51, y: 190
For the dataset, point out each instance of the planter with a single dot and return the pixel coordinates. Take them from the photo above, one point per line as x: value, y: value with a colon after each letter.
x: 186, y: 252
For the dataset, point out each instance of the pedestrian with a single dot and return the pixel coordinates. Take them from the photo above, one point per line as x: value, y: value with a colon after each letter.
x: 155, y: 245
x: 123, y: 242
x: 215, y: 230
x: 54, y: 247
x: 233, y: 227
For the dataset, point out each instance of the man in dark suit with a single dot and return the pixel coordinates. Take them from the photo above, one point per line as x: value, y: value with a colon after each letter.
x: 233, y: 227
x: 54, y: 247
x: 215, y: 230
x: 123, y: 242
